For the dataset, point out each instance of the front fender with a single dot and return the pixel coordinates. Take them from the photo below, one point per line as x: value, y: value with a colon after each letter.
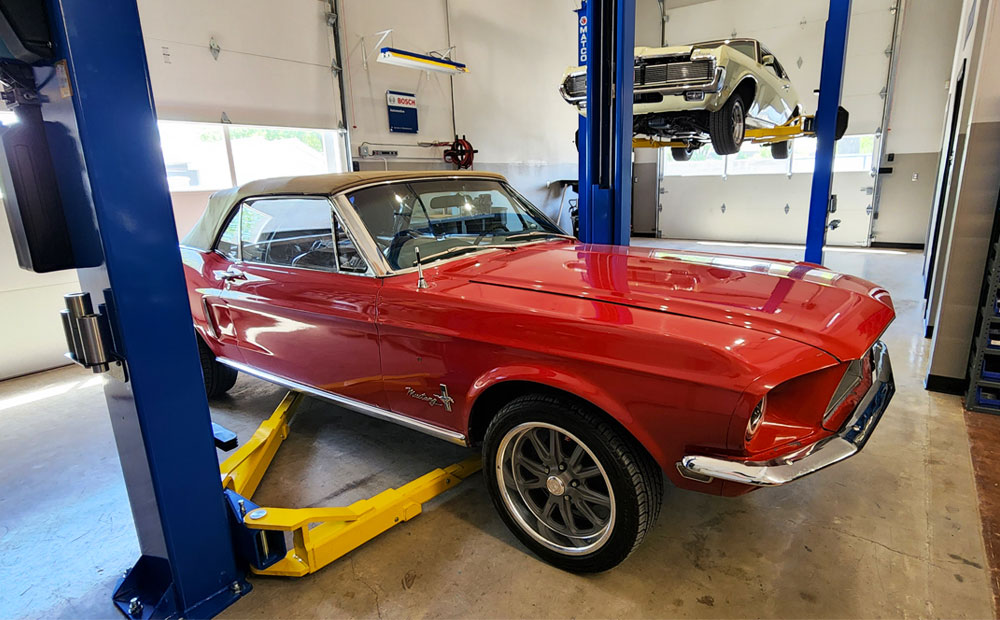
x: 566, y: 381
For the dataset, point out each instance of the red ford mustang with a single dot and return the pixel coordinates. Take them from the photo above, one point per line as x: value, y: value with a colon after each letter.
x: 447, y: 303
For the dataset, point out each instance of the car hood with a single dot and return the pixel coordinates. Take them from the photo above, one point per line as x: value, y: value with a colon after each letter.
x: 840, y: 314
x: 663, y: 51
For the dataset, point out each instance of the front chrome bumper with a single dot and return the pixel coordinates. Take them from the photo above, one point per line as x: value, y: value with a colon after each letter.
x: 671, y: 88
x: 847, y: 442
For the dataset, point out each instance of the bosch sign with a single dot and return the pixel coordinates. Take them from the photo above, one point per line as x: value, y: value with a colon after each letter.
x: 402, y: 111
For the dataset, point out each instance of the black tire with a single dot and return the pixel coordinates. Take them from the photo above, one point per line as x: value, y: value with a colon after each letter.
x: 612, y: 467
x: 219, y: 378
x: 680, y: 153
x: 727, y: 126
x: 779, y: 150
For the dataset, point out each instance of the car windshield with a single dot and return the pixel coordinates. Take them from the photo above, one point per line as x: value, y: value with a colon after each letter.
x: 747, y: 47
x: 447, y: 218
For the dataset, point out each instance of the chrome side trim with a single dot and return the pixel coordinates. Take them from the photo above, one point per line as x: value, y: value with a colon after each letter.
x: 847, y: 442
x: 356, y: 406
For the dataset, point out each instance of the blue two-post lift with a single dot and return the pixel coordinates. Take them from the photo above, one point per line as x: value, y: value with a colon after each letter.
x: 606, y: 37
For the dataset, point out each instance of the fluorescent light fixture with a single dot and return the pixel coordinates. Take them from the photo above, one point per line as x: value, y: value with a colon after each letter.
x: 412, y: 60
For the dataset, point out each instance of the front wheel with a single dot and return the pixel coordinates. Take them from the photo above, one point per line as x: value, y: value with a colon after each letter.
x: 575, y: 490
x: 727, y: 126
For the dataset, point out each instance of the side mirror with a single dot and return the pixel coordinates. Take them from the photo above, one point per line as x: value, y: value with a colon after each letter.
x: 768, y: 60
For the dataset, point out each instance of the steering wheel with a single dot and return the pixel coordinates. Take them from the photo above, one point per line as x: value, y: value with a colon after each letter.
x: 400, y: 238
x: 486, y: 232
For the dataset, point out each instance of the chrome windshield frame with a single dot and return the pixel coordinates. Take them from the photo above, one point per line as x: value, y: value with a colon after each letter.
x: 369, y: 249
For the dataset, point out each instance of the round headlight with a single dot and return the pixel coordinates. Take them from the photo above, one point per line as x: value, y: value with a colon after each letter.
x: 756, y: 417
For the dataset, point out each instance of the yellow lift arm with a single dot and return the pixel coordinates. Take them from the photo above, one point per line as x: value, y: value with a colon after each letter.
x: 794, y: 128
x: 321, y: 535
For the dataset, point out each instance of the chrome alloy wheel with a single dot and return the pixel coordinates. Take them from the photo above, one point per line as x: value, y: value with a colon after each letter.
x: 738, y: 122
x: 555, y: 488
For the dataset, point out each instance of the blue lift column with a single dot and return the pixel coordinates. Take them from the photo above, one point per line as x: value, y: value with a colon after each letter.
x: 830, y: 82
x: 103, y: 135
x: 605, y: 140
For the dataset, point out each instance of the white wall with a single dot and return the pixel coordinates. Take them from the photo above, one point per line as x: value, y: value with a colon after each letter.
x: 965, y: 239
x: 419, y: 27
x: 917, y: 119
x: 30, y: 328
x: 508, y: 104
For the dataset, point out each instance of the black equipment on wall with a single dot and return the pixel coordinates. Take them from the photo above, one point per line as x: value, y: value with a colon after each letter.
x: 27, y: 173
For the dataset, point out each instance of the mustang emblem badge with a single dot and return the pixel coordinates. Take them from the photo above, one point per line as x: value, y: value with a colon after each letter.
x: 435, y: 400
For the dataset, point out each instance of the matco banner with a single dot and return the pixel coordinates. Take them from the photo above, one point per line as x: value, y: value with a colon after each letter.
x: 582, y: 34
x: 402, y: 111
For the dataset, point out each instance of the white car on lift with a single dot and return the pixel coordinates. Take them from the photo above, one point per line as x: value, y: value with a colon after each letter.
x: 690, y: 95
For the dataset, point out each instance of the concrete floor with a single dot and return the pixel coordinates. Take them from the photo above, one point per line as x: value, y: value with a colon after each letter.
x: 892, y: 532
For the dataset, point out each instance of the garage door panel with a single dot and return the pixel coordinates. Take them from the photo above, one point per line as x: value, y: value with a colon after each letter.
x: 189, y: 85
x: 290, y: 29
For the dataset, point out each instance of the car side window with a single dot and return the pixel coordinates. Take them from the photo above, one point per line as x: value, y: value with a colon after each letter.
x: 293, y: 232
x: 347, y: 254
x: 229, y: 242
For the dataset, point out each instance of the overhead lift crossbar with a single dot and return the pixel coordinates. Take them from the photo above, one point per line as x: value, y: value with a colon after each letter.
x: 319, y: 535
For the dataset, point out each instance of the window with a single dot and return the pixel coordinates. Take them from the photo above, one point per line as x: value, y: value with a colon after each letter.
x: 262, y: 152
x: 755, y: 159
x: 703, y: 162
x: 853, y: 154
x: 229, y: 242
x: 743, y: 45
x: 210, y: 156
x: 295, y: 232
x: 348, y: 255
x: 443, y: 218
x: 195, y: 156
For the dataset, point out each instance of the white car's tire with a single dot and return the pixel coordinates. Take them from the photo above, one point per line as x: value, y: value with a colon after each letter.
x: 727, y: 126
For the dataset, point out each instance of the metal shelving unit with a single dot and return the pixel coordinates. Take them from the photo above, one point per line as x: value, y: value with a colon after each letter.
x: 984, y: 366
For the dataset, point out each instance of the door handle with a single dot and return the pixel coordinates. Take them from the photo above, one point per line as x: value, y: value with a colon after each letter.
x: 230, y: 274
x: 784, y: 87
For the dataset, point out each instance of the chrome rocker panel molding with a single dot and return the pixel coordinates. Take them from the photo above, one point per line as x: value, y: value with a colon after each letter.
x: 356, y: 406
x: 847, y: 442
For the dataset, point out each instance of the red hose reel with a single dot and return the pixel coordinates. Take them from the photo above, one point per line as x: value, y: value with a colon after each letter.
x: 460, y: 153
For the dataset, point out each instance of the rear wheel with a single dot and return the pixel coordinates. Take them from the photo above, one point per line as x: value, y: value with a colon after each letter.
x: 219, y: 378
x: 727, y: 126
x: 779, y: 150
x: 575, y: 490
x: 680, y: 153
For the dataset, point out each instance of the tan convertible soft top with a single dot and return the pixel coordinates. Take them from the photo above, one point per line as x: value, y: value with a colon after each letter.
x: 203, y: 235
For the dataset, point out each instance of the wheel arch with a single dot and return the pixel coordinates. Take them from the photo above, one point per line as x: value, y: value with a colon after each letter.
x: 746, y: 88
x: 497, y: 391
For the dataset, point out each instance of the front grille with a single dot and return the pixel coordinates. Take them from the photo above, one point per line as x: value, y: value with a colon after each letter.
x: 691, y: 71
x: 652, y: 75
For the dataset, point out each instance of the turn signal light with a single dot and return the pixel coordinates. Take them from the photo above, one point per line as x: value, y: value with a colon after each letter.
x: 756, y: 418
